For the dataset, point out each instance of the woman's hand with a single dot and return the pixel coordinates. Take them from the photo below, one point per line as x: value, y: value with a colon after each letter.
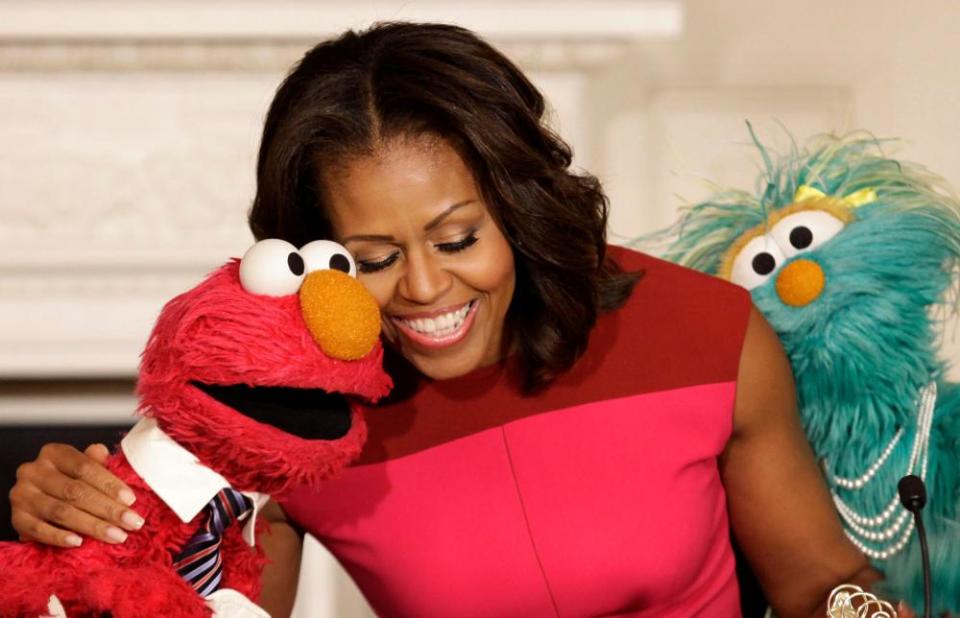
x: 65, y: 492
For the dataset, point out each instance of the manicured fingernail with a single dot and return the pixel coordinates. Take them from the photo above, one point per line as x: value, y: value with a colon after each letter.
x: 73, y: 540
x: 131, y: 520
x: 116, y: 534
x: 126, y: 496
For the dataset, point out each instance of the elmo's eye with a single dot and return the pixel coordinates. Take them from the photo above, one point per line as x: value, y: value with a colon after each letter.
x: 805, y: 230
x: 326, y: 254
x: 272, y: 267
x: 754, y: 264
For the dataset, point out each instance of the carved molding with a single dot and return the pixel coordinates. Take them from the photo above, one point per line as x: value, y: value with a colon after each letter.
x: 259, y: 54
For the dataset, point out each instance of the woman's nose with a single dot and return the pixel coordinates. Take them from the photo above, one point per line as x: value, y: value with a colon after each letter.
x: 424, y: 280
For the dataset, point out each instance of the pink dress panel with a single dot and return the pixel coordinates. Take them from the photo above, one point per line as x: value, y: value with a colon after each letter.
x: 585, y: 511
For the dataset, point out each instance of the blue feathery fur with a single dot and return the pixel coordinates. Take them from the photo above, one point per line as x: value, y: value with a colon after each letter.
x: 866, y: 346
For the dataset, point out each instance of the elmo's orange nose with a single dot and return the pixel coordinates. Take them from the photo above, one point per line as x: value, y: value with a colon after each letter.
x: 342, y: 315
x: 800, y: 283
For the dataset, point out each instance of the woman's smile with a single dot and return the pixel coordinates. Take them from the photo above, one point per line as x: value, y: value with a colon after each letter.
x: 439, y: 328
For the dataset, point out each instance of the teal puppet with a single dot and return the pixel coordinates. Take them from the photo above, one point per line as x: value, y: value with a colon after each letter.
x: 854, y: 259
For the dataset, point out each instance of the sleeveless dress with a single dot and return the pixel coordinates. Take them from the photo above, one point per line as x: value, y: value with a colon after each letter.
x: 599, y: 496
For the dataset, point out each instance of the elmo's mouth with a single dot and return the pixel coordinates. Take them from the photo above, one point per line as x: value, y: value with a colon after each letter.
x: 311, y: 414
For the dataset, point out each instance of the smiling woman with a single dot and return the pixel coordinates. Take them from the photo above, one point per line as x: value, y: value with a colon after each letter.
x: 375, y: 135
x: 565, y: 436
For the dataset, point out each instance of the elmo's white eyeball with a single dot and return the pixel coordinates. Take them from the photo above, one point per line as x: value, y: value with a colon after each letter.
x: 272, y: 267
x: 326, y: 254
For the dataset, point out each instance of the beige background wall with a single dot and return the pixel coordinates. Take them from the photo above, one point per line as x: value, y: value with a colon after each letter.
x: 128, y: 133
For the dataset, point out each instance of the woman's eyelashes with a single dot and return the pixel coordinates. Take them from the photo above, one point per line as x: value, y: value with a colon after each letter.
x: 372, y: 266
x: 458, y: 245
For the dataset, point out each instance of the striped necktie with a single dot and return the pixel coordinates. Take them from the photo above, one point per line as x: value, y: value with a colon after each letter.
x: 200, y: 562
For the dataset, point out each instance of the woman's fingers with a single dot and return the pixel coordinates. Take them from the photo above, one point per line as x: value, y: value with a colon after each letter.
x: 77, y: 465
x: 56, y: 513
x: 98, y: 451
x: 31, y: 528
x: 84, y: 497
x: 65, y: 492
x: 40, y: 517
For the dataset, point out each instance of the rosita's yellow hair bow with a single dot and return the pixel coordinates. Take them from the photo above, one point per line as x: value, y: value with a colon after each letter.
x: 853, y: 200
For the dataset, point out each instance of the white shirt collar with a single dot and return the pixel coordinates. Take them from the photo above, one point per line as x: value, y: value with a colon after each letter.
x: 176, y: 476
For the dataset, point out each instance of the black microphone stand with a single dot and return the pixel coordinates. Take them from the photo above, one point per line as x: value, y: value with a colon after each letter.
x: 913, y: 496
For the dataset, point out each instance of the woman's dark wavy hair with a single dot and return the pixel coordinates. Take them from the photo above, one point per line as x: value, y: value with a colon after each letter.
x: 350, y: 94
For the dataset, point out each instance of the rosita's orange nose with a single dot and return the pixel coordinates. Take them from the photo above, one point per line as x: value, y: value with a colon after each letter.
x: 342, y: 315
x: 800, y: 282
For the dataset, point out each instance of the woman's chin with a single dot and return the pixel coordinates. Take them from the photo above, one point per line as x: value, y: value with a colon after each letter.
x: 450, y: 365
x: 442, y: 368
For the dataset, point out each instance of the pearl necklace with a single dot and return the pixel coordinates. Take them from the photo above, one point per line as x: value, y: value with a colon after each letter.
x: 860, y: 528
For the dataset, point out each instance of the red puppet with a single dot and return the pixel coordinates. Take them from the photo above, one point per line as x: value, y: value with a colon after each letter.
x: 245, y: 388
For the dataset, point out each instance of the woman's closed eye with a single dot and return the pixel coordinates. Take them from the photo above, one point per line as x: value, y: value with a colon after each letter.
x: 458, y: 245
x: 372, y: 266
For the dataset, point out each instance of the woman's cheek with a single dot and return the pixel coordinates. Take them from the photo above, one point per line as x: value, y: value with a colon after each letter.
x: 491, y: 270
x: 379, y: 285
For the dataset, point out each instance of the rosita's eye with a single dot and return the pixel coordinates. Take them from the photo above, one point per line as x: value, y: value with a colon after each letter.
x: 801, y: 237
x: 326, y: 254
x: 756, y: 262
x: 272, y: 267
x: 805, y: 231
x: 763, y: 263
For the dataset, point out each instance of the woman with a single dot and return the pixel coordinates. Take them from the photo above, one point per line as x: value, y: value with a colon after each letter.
x: 573, y: 428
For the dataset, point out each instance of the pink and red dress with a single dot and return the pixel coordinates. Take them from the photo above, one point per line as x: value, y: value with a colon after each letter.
x: 599, y: 496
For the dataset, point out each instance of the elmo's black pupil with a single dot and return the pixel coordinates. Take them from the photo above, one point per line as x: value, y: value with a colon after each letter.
x: 295, y: 263
x: 763, y: 263
x: 340, y: 262
x: 801, y: 237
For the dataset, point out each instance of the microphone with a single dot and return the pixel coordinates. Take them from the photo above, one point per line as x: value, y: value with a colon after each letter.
x: 913, y: 496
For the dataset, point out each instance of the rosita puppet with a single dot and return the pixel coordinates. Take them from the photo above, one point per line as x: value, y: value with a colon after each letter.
x: 853, y: 257
x: 247, y: 388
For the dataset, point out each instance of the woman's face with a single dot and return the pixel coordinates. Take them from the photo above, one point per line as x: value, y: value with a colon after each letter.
x: 429, y: 250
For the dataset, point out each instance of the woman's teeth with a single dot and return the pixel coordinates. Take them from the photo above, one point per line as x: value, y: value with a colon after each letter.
x: 441, y: 325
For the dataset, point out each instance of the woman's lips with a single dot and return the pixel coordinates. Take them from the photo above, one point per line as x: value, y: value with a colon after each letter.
x: 431, y: 340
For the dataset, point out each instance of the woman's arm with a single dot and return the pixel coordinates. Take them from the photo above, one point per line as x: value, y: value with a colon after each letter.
x: 282, y: 545
x: 780, y: 509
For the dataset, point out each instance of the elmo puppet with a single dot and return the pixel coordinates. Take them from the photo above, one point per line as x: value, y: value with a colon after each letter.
x: 245, y: 387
